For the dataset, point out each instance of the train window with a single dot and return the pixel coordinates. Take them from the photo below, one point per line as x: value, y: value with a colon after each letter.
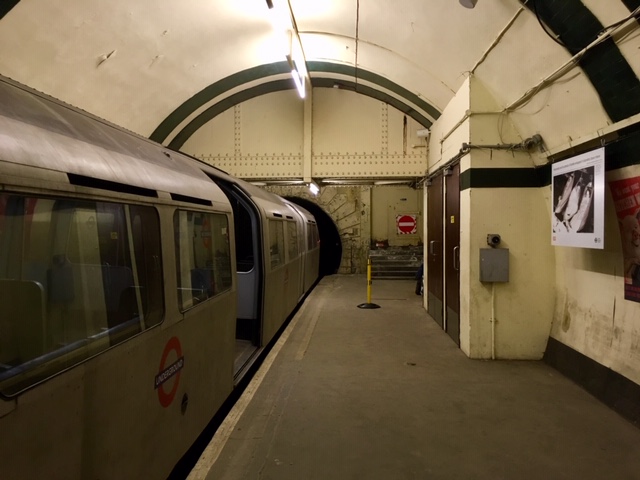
x: 276, y: 243
x: 313, y: 239
x: 243, y: 235
x: 292, y: 239
x: 203, y: 256
x: 76, y: 277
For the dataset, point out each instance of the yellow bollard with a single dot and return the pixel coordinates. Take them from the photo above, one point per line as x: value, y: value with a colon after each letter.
x: 368, y: 304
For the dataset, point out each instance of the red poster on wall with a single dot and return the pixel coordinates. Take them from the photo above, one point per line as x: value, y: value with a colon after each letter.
x: 626, y: 198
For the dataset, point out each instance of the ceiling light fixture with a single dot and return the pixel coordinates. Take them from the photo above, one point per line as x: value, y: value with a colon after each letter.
x: 314, y: 188
x: 283, y: 21
x: 467, y: 3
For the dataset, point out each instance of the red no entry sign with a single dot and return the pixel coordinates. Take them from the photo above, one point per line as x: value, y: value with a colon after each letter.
x: 407, y: 224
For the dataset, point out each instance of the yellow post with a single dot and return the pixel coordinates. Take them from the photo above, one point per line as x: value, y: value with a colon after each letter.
x: 368, y: 304
x: 369, y: 280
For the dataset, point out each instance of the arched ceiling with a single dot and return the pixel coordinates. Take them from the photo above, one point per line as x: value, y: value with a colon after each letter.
x: 148, y: 66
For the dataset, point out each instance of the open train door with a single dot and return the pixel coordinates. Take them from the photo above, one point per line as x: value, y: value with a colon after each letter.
x: 249, y: 274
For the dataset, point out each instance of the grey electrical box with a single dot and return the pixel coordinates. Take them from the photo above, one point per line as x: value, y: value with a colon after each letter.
x: 494, y: 264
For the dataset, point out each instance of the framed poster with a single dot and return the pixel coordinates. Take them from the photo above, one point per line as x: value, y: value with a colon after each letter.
x: 626, y: 198
x: 577, y: 207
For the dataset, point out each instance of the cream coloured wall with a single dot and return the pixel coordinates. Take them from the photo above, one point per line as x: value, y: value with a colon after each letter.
x: 575, y: 295
x: 560, y: 112
x: 387, y: 203
x: 352, y: 136
x: 260, y: 138
x: 523, y: 307
x: 591, y: 314
x: 502, y: 320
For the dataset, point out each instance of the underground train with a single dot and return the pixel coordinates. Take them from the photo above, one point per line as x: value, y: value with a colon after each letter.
x: 137, y: 285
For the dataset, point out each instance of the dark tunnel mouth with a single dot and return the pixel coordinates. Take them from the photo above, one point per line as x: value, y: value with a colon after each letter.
x: 330, y: 241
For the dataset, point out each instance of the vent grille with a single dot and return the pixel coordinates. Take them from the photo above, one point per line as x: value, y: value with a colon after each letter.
x: 84, y: 181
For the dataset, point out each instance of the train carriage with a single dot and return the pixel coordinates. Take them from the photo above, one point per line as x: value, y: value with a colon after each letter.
x: 121, y: 327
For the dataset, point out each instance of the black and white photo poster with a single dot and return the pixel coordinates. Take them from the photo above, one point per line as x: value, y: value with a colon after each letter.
x: 577, y: 193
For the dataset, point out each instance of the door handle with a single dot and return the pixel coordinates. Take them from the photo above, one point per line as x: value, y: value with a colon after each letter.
x: 456, y: 258
x: 432, y: 245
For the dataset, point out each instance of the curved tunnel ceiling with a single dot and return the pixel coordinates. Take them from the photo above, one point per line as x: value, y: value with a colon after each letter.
x: 162, y: 71
x: 214, y: 99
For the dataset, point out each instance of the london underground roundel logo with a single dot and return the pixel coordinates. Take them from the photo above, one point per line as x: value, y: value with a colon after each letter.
x: 165, y: 383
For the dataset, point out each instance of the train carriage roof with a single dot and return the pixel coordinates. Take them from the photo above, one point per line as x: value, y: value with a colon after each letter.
x: 39, y: 131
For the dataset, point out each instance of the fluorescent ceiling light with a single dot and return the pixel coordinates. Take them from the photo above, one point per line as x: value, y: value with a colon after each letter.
x: 283, y: 23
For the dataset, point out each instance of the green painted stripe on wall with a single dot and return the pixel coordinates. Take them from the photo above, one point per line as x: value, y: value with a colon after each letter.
x: 505, y: 177
x: 632, y: 5
x: 609, y: 72
x: 621, y: 153
x: 169, y: 124
x: 205, y: 95
x: 610, y: 387
x: 6, y: 6
x: 279, y: 85
x: 378, y: 95
x: 376, y: 79
x: 624, y: 152
x: 225, y: 104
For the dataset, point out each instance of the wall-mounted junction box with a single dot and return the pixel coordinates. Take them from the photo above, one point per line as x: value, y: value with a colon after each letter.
x: 494, y: 264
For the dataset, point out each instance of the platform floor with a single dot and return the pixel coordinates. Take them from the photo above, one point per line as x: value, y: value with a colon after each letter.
x: 385, y: 394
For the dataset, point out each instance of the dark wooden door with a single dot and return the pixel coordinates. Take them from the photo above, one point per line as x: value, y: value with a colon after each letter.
x: 452, y: 253
x: 435, y: 285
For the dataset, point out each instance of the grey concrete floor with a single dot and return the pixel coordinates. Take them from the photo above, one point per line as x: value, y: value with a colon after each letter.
x: 386, y: 394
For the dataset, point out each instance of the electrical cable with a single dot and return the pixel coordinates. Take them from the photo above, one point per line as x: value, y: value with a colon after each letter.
x: 564, y: 69
x: 357, y: 41
x: 534, y: 7
x: 633, y: 14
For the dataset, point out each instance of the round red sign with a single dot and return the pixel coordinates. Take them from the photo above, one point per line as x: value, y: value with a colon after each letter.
x: 406, y: 224
x: 168, y: 371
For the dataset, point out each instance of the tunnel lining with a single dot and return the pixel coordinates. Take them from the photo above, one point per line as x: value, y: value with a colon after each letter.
x: 330, y: 241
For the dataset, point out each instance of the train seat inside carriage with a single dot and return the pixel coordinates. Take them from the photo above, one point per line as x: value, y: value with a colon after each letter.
x: 106, y: 293
x: 202, y: 284
x: 22, y: 321
x: 55, y: 311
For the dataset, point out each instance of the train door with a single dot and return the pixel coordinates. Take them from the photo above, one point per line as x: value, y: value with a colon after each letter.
x: 452, y: 252
x: 300, y: 239
x: 249, y: 274
x: 434, y: 267
x: 443, y: 251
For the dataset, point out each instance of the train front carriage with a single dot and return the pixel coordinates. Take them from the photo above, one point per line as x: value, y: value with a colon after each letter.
x: 117, y: 299
x: 137, y: 285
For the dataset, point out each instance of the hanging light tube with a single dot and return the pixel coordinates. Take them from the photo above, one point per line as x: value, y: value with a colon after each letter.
x: 282, y: 19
